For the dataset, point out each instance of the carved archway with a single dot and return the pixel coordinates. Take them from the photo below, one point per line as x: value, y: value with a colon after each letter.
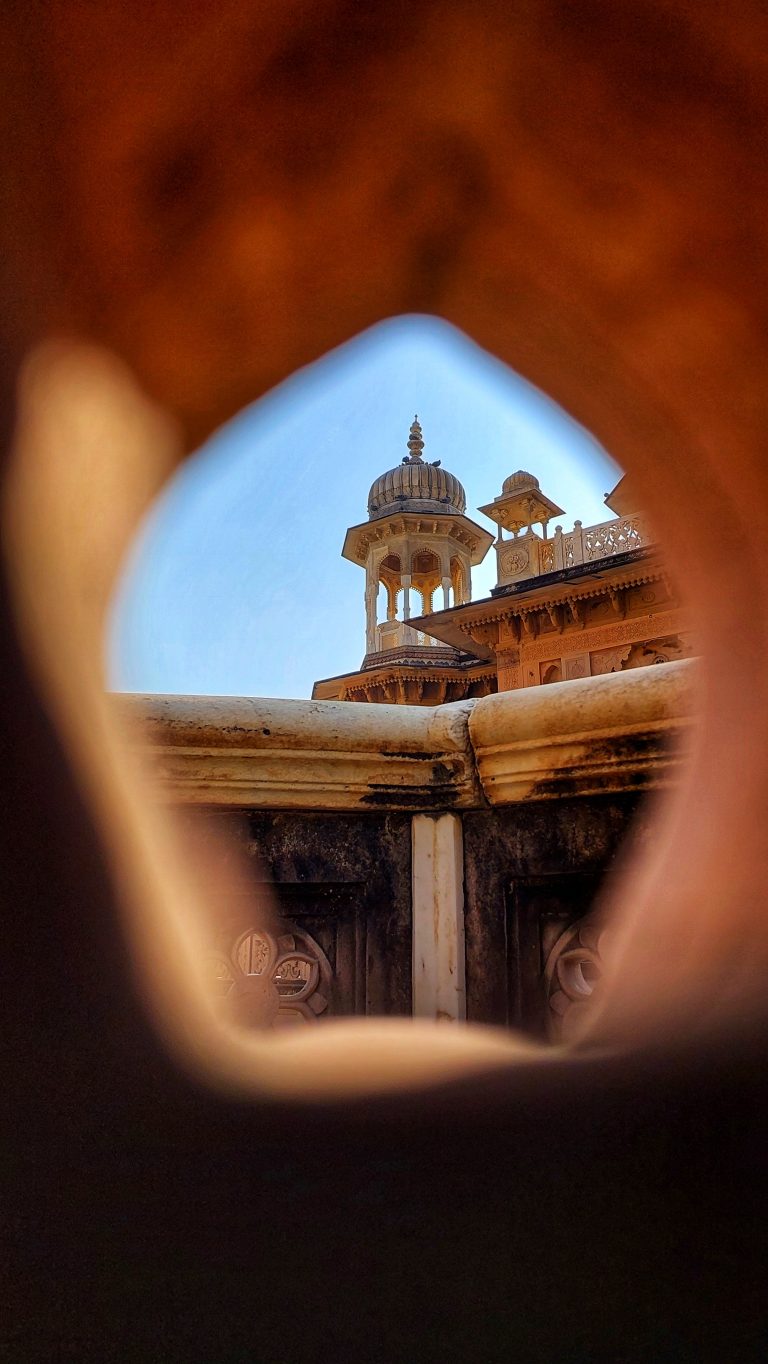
x: 425, y: 573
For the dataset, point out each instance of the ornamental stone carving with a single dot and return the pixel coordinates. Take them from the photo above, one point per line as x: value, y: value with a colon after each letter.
x: 273, y: 981
x: 613, y: 537
x: 572, y: 972
x: 610, y: 660
x: 620, y: 632
x: 577, y: 666
x: 515, y: 560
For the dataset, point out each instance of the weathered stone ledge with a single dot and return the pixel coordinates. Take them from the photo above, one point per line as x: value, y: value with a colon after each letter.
x: 314, y: 755
x: 619, y: 732
x: 614, y: 733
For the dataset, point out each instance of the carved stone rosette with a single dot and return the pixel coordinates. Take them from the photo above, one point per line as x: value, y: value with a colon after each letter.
x: 273, y: 982
x: 572, y: 971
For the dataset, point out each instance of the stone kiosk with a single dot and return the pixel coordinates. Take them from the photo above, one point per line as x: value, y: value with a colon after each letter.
x: 417, y: 541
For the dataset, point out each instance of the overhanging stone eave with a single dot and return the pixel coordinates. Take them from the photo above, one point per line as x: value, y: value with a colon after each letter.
x: 444, y: 625
x: 468, y: 663
x: 358, y: 537
x: 499, y: 509
x: 583, y: 580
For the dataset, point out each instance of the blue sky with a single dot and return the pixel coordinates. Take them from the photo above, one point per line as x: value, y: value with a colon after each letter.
x: 235, y: 584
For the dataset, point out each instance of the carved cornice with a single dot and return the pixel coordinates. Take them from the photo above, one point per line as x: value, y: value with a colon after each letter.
x: 453, y: 526
x: 374, y: 679
x: 603, y: 636
x: 514, y: 609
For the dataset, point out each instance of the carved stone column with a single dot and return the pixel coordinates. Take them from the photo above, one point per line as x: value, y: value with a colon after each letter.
x: 371, y: 595
x: 406, y: 581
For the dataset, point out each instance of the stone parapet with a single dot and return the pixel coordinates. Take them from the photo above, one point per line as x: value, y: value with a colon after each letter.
x: 618, y: 732
x: 312, y: 755
x: 613, y: 733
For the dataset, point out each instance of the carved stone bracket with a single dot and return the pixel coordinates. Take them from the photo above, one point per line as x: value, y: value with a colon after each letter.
x: 483, y: 632
x: 576, y: 609
x: 618, y: 600
x: 556, y: 617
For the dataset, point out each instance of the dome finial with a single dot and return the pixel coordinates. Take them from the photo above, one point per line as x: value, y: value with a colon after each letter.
x: 415, y: 442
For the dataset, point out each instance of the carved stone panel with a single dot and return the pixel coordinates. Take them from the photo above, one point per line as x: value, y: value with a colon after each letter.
x: 610, y: 660
x: 273, y: 978
x: 577, y: 665
x: 530, y: 875
x: 513, y: 561
x: 325, y: 930
x: 611, y: 634
x: 539, y: 911
x: 346, y: 882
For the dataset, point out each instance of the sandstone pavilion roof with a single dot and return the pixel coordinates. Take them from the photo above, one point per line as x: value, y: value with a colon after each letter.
x: 416, y: 485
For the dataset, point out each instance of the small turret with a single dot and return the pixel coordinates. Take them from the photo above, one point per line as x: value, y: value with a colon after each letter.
x: 417, y: 541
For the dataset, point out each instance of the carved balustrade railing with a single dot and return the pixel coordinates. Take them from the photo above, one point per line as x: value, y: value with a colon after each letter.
x: 584, y: 544
x: 528, y: 556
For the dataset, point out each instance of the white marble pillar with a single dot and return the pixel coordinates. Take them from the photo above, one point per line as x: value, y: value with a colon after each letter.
x: 406, y: 581
x: 371, y: 595
x: 446, y: 586
x: 437, y: 861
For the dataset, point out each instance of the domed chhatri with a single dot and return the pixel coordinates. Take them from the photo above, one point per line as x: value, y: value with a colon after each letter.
x: 521, y: 505
x: 519, y: 482
x: 417, y: 541
x: 416, y: 485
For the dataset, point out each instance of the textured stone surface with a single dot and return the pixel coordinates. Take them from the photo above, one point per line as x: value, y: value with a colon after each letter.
x: 619, y: 732
x: 317, y: 755
x: 615, y: 733
x: 528, y: 869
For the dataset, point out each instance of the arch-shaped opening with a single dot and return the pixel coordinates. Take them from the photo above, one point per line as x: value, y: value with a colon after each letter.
x: 425, y: 576
x: 459, y: 585
x: 390, y: 571
x: 234, y: 549
x: 512, y: 640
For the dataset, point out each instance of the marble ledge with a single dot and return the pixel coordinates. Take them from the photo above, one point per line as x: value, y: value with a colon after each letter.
x: 618, y: 732
x: 621, y: 732
x: 311, y: 755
